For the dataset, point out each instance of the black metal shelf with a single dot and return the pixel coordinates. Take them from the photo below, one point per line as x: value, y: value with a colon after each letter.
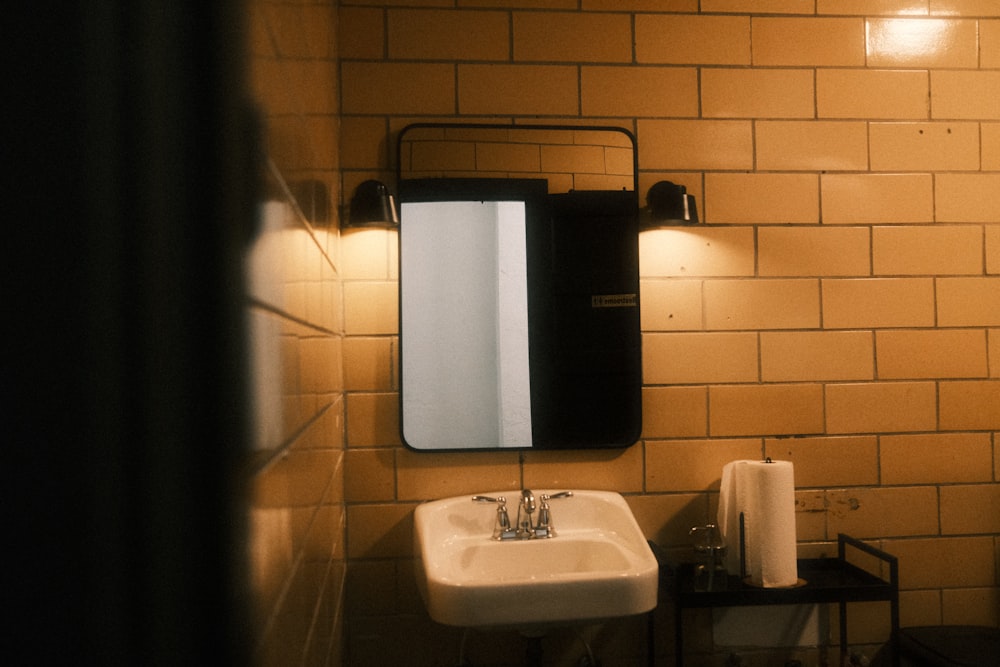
x: 827, y: 580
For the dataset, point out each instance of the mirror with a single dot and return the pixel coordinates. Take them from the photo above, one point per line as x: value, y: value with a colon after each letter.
x: 519, y: 314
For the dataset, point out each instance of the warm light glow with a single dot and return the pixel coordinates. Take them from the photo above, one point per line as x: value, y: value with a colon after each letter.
x: 906, y: 40
x: 695, y: 251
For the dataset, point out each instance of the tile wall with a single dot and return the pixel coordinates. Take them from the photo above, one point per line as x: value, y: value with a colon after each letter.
x: 296, y: 513
x: 839, y: 308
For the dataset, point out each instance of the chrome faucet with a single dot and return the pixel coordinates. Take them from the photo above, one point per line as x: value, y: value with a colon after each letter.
x: 526, y: 527
x: 502, y: 530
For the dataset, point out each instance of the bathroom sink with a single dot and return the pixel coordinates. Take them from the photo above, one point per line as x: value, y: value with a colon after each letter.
x: 598, y: 564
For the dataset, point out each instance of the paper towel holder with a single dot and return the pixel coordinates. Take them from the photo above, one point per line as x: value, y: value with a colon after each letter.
x: 744, y: 577
x: 743, y: 547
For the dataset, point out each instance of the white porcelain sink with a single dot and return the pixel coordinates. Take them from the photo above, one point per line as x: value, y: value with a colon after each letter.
x: 598, y: 565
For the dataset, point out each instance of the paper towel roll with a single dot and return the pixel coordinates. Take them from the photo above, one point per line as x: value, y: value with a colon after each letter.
x: 764, y: 491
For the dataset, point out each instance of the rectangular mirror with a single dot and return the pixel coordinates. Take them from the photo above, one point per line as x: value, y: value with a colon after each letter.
x: 519, y: 314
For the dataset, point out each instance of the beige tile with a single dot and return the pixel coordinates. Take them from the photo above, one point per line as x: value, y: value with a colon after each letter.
x: 921, y: 607
x: 440, y: 34
x: 942, y: 353
x: 827, y: 42
x: 562, y: 158
x: 695, y: 252
x: 302, y: 477
x: 924, y: 146
x: 816, y: 355
x: 325, y: 426
x: 964, y: 8
x: 967, y: 197
x: 667, y: 518
x: 762, y: 304
x: 970, y: 509
x: 971, y: 606
x: 883, y: 512
x: 875, y: 94
x: 828, y: 461
x: 884, y: 407
x: 758, y: 6
x: 367, y: 254
x: 991, y: 146
x: 541, y: 4
x: 644, y: 91
x: 635, y: 5
x: 943, y: 562
x: 935, y: 458
x: 320, y: 360
x: 812, y: 145
x: 867, y: 623
x: 922, y: 42
x: 813, y: 251
x: 311, y: 85
x: 973, y: 95
x: 757, y: 93
x: 989, y: 44
x: 692, y: 39
x: 674, y: 412
x: 369, y: 364
x: 872, y: 7
x: 972, y: 405
x: 698, y: 358
x: 765, y: 409
x: 504, y: 157
x: 877, y: 198
x: 572, y: 37
x: 359, y: 144
x: 810, y: 518
x: 877, y: 302
x: 371, y: 308
x: 695, y: 144
x: 756, y: 198
x: 993, y: 342
x: 517, y: 89
x: 693, y: 465
x: 670, y: 305
x: 300, y: 261
x: 397, y: 88
x: 372, y: 419
x: 380, y: 531
x: 370, y: 475
x: 606, y: 469
x: 927, y: 250
x: 968, y: 301
x: 429, y: 475
x: 431, y: 157
x: 360, y: 32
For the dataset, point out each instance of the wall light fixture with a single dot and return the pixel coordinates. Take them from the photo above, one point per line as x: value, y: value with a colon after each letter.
x: 372, y: 206
x: 668, y: 204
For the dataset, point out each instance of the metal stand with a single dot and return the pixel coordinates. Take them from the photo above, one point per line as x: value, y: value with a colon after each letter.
x: 827, y: 580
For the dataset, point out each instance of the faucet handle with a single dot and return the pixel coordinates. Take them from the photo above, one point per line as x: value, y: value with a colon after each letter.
x: 502, y: 529
x: 556, y: 496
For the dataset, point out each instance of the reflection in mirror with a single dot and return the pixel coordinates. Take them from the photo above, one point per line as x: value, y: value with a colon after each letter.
x: 474, y: 381
x: 519, y: 319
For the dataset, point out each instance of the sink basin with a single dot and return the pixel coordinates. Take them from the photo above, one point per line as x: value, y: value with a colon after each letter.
x: 598, y: 565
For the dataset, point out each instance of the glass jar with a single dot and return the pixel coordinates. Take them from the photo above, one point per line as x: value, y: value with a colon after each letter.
x: 710, y: 551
